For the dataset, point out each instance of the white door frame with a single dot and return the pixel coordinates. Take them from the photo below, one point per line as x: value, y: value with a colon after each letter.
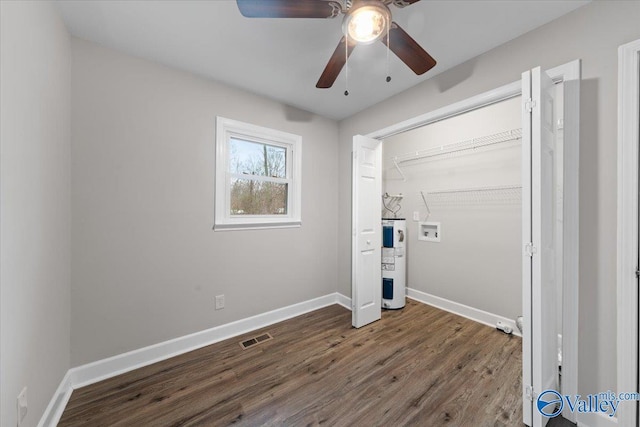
x: 627, y: 290
x: 570, y: 75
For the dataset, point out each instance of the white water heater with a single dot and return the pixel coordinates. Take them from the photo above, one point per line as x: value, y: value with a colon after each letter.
x: 394, y: 262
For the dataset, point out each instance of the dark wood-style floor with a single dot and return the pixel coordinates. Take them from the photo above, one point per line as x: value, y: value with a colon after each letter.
x: 417, y: 366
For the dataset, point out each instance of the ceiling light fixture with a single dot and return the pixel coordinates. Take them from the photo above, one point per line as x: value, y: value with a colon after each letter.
x: 366, y: 22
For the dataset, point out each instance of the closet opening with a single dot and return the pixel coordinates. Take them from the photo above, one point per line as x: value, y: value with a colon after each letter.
x: 462, y: 178
x: 458, y: 183
x: 495, y: 175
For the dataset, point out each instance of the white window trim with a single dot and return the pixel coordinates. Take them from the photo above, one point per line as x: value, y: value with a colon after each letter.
x: 223, y: 220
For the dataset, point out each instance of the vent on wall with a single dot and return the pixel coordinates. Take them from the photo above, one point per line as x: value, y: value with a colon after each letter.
x: 255, y: 340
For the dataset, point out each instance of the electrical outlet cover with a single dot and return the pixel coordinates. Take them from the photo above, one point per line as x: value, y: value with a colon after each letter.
x: 219, y: 302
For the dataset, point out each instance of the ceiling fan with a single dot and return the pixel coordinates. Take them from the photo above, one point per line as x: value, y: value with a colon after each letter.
x: 365, y: 21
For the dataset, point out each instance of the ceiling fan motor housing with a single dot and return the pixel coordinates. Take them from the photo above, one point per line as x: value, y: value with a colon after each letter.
x: 366, y: 21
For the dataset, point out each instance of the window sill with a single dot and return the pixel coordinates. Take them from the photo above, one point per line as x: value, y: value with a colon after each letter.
x: 256, y: 226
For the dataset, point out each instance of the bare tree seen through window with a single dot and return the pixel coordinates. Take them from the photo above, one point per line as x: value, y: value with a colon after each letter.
x: 258, y: 171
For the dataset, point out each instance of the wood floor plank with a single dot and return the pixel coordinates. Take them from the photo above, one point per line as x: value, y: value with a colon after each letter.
x: 416, y: 366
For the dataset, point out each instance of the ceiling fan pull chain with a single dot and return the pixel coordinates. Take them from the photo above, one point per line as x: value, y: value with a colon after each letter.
x: 346, y: 65
x: 388, y: 44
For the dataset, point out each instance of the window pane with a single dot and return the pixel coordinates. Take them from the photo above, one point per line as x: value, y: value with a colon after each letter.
x: 253, y: 158
x: 251, y: 197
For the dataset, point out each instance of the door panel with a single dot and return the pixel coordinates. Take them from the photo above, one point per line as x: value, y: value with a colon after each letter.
x: 544, y: 289
x: 367, y: 235
x: 540, y: 357
x: 527, y: 404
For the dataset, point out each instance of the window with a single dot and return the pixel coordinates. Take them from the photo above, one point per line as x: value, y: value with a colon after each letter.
x: 257, y: 177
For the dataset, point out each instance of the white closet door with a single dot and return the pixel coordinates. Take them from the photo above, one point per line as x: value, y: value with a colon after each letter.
x: 366, y: 286
x: 540, y: 364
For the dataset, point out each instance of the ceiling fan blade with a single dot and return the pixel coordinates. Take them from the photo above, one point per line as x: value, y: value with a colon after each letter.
x: 404, y: 3
x: 408, y: 50
x: 335, y: 64
x: 288, y: 8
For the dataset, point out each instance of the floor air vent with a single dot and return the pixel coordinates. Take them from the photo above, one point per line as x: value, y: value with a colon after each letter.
x: 255, y: 341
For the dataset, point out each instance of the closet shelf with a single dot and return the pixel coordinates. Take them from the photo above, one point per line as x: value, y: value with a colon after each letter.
x: 495, y: 194
x: 457, y: 147
x: 470, y: 144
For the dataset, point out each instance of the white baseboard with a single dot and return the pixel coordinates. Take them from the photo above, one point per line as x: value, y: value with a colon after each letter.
x: 343, y: 301
x: 58, y: 402
x: 596, y: 420
x: 119, y: 364
x: 471, y: 313
x: 91, y: 373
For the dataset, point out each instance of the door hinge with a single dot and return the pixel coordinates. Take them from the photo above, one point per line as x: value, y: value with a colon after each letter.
x: 637, y: 273
x: 529, y: 393
x: 529, y: 249
x: 529, y: 104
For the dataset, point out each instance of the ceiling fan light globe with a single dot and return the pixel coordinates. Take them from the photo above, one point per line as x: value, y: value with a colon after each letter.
x: 367, y: 23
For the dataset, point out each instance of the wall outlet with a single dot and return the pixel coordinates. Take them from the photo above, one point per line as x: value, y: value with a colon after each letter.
x: 22, y: 405
x: 219, y: 302
x: 416, y: 216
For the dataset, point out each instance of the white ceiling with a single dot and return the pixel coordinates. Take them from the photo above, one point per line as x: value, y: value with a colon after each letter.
x: 283, y: 58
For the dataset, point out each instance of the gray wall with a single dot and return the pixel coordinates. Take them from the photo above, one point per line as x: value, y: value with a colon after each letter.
x: 478, y: 261
x: 35, y: 205
x: 593, y: 34
x: 146, y: 263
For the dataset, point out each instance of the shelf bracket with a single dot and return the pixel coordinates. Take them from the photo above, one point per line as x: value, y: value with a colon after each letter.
x: 395, y: 163
x: 424, y: 199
